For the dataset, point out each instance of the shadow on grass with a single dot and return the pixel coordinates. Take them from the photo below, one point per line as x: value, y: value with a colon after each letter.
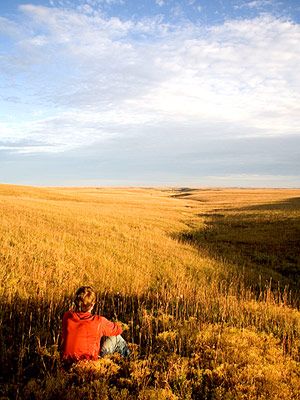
x: 263, y: 240
x: 30, y: 334
x: 292, y: 204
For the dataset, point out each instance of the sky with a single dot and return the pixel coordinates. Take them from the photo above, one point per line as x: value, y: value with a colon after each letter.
x: 150, y: 93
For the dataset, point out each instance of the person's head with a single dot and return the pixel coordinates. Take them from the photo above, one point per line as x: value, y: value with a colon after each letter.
x: 85, y: 299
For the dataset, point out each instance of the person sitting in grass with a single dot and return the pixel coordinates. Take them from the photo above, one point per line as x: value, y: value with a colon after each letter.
x: 86, y: 336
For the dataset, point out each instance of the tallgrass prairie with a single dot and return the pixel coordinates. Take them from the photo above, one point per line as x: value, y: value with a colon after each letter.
x: 206, y: 281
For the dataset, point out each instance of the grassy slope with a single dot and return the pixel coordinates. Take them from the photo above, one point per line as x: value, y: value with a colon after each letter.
x: 184, y: 268
x: 118, y: 240
x: 258, y: 231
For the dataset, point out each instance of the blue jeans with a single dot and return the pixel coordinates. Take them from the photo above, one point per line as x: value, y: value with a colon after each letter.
x: 114, y: 344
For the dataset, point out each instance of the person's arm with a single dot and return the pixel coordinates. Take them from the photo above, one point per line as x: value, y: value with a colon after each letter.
x: 110, y: 328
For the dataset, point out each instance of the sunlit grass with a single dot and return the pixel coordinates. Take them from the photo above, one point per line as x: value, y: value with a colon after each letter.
x: 207, y: 301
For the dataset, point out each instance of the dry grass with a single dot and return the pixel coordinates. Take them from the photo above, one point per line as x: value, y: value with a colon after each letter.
x: 258, y: 231
x: 205, y: 279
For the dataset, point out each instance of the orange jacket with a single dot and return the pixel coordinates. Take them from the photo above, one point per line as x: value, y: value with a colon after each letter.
x: 81, y: 335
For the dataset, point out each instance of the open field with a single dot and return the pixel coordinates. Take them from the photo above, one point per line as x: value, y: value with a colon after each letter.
x: 206, y: 280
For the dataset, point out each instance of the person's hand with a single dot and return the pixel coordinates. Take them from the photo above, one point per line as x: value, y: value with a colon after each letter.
x: 124, y: 326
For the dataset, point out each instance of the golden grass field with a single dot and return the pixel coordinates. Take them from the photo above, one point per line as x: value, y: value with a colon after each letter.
x: 207, y: 282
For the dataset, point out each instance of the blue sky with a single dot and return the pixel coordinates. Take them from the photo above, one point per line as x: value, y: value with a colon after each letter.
x: 157, y: 92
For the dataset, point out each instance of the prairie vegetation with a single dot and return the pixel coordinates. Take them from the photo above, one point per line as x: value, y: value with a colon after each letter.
x: 206, y: 281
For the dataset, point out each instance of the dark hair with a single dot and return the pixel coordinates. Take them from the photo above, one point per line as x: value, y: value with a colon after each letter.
x: 85, y: 297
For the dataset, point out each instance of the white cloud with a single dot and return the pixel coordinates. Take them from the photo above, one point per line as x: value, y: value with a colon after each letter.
x: 103, y: 78
x: 9, y: 28
x: 255, y: 4
x: 259, y: 3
